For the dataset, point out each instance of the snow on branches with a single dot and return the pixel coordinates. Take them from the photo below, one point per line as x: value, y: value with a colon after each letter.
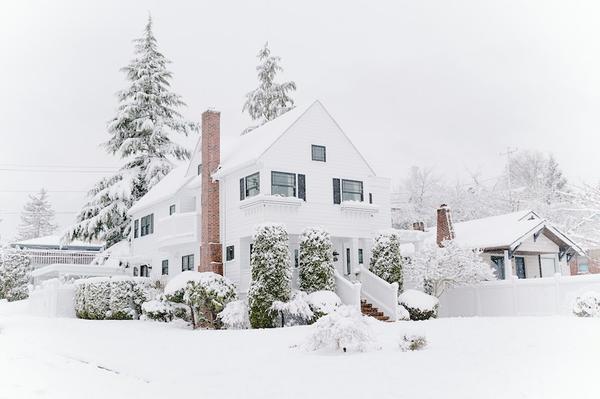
x: 37, y: 217
x: 14, y: 275
x: 270, y: 99
x: 451, y: 265
x: 386, y: 261
x: 316, y: 261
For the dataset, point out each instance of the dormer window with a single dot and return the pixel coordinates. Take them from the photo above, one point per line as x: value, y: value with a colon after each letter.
x: 318, y: 153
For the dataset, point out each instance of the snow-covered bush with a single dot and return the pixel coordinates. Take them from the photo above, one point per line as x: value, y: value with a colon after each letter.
x: 271, y: 274
x: 235, y: 315
x: 386, y: 261
x: 316, y: 261
x: 205, y: 293
x: 402, y: 313
x: 345, y: 329
x: 323, y: 302
x: 587, y: 305
x: 14, y: 275
x: 114, y: 298
x: 294, y: 312
x: 412, y: 343
x: 420, y: 306
x: 451, y: 265
x: 158, y: 309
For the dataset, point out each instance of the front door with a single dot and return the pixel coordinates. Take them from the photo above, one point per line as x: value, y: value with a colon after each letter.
x: 520, y: 266
x: 547, y: 267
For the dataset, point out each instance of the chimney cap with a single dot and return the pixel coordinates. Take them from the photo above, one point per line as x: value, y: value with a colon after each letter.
x: 211, y: 110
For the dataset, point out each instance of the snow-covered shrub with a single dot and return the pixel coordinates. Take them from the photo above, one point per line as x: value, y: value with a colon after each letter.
x: 114, y: 298
x: 235, y: 315
x: 587, y: 305
x: 412, y: 343
x: 419, y: 305
x: 14, y: 275
x: 271, y: 274
x: 402, y: 313
x: 448, y: 266
x: 386, y: 261
x: 345, y: 329
x: 294, y: 312
x: 158, y: 309
x: 316, y: 261
x: 323, y: 302
x: 205, y: 293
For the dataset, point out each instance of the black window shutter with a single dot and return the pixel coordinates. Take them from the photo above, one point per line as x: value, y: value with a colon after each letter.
x: 370, y: 198
x: 242, y: 190
x: 337, y: 194
x: 302, y: 187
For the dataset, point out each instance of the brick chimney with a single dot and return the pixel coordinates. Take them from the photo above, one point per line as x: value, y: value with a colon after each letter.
x: 420, y: 226
x: 445, y: 230
x: 211, y: 259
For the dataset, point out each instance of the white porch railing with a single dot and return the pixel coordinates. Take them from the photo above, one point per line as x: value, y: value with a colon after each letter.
x: 42, y: 257
x: 379, y: 292
x: 348, y: 291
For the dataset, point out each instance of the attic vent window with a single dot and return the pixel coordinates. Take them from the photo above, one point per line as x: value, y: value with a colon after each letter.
x: 318, y: 153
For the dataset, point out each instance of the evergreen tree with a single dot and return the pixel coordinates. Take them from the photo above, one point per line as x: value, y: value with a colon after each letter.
x: 37, y: 217
x: 14, y: 276
x: 147, y: 115
x: 271, y: 274
x: 316, y: 261
x: 270, y: 99
x: 386, y: 261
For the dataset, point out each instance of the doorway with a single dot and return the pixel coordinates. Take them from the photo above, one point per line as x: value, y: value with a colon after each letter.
x: 520, y: 266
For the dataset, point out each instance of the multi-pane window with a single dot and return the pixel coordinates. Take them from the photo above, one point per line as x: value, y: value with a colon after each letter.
x: 136, y: 228
x: 172, y: 209
x: 147, y: 225
x: 250, y: 186
x: 187, y: 262
x: 352, y: 190
x: 296, y: 258
x: 165, y: 267
x: 229, y: 252
x: 283, y: 184
x: 144, y: 271
x: 360, y: 256
x: 318, y: 153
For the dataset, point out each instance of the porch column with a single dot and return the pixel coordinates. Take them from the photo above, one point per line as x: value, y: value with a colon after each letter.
x: 354, y: 254
x: 507, y: 266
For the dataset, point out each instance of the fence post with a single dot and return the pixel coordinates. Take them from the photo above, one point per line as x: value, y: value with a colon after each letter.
x: 557, y: 293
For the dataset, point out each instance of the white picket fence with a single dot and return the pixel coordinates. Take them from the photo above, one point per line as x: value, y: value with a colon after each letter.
x: 518, y: 297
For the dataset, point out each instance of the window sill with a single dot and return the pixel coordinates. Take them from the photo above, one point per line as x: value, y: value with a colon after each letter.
x: 265, y: 200
x: 357, y: 206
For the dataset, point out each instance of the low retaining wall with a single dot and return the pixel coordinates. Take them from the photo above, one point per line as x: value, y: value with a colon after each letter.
x: 53, y: 299
x: 518, y: 297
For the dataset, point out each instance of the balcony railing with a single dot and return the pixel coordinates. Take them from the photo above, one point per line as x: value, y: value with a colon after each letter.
x: 179, y: 228
x: 43, y: 257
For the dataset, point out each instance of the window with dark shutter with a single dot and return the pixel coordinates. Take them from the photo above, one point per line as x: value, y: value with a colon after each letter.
x: 136, y: 227
x: 302, y: 187
x: 242, y: 190
x: 337, y: 193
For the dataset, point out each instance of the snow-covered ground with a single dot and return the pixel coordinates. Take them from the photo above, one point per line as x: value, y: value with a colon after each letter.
x: 543, y: 357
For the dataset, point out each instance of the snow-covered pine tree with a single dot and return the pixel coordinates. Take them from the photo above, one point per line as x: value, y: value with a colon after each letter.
x: 37, y: 217
x: 270, y: 99
x: 271, y: 274
x: 147, y: 115
x: 316, y: 261
x: 386, y: 261
x: 14, y: 275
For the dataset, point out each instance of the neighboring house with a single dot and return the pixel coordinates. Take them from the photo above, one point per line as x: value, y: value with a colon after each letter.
x: 49, y: 250
x: 519, y: 244
x: 587, y: 264
x: 299, y: 169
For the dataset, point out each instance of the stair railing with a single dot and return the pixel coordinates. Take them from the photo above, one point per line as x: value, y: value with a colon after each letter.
x: 379, y: 292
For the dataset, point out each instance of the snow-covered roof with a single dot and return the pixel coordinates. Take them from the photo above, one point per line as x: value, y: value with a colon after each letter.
x: 164, y: 189
x: 55, y: 241
x: 246, y: 149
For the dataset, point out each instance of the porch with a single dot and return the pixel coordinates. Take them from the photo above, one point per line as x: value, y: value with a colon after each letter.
x: 525, y: 264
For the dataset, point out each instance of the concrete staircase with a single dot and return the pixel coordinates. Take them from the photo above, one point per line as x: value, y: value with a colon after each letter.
x: 369, y: 310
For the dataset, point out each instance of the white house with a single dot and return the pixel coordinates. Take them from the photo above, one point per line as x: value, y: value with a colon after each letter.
x: 300, y: 170
x: 520, y: 244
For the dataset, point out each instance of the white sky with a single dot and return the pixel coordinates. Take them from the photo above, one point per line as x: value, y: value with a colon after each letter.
x: 448, y: 84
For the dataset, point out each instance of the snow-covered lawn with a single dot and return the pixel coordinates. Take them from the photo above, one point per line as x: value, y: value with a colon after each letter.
x: 545, y: 357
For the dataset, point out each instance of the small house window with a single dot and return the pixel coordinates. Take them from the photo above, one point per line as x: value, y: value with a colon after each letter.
x: 250, y: 186
x: 136, y: 228
x: 230, y: 252
x: 147, y: 225
x: 283, y: 184
x: 360, y: 256
x: 583, y: 268
x: 296, y: 258
x: 172, y: 209
x: 187, y: 262
x: 135, y: 271
x: 165, y: 267
x: 318, y: 153
x: 199, y: 169
x: 352, y: 190
x: 144, y: 272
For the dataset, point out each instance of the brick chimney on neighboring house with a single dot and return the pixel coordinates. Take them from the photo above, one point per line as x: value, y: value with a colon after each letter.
x: 211, y: 259
x: 445, y: 230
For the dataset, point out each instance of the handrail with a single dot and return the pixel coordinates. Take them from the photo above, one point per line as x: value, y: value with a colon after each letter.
x: 348, y: 291
x: 380, y: 293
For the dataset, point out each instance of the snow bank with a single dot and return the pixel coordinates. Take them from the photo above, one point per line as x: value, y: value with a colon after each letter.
x: 419, y: 305
x: 235, y: 315
x: 323, y: 302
